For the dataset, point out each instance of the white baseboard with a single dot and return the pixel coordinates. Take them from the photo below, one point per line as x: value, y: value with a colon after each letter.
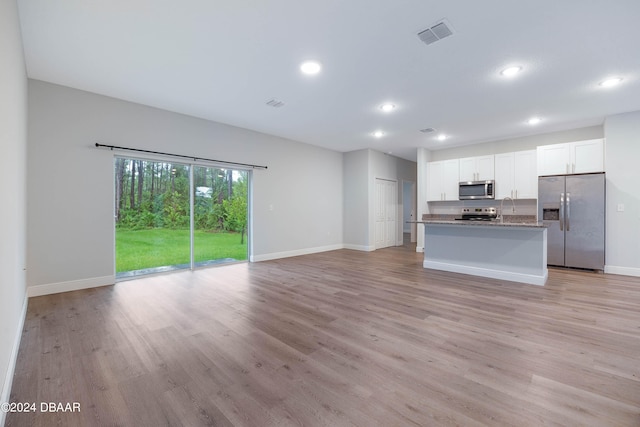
x: 531, y: 279
x: 363, y: 248
x: 73, y: 285
x: 625, y: 271
x: 298, y: 252
x: 8, y: 380
x: 419, y: 249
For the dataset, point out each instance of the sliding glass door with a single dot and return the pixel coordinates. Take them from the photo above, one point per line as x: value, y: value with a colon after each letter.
x: 167, y: 219
x: 220, y: 215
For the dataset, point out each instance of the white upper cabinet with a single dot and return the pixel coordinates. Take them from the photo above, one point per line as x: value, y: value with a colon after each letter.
x: 477, y: 168
x: 572, y: 157
x: 554, y: 159
x: 588, y: 156
x: 525, y: 176
x: 516, y: 175
x: 442, y: 180
x: 504, y: 175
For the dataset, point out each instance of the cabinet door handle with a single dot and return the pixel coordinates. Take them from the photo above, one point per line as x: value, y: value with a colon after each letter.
x: 574, y: 168
x: 567, y: 167
x: 516, y: 194
x: 511, y: 193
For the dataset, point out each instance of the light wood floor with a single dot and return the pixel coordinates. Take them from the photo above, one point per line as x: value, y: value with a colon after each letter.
x: 333, y: 339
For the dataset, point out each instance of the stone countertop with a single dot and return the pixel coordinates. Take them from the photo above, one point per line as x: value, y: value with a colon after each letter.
x: 494, y: 223
x: 509, y: 221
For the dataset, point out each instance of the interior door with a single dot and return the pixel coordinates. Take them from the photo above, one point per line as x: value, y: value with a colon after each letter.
x: 391, y: 212
x: 380, y: 214
x: 386, y: 212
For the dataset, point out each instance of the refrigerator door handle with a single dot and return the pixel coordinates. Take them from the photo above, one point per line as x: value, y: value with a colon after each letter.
x: 568, y: 211
x: 561, y: 211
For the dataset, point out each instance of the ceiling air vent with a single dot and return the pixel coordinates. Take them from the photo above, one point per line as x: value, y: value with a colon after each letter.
x: 427, y: 130
x: 436, y: 32
x: 274, y: 103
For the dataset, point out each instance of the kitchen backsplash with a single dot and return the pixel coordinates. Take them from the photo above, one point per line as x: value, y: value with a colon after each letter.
x: 523, y: 207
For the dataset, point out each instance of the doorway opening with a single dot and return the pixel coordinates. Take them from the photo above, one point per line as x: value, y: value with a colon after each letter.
x: 409, y: 212
x: 171, y: 216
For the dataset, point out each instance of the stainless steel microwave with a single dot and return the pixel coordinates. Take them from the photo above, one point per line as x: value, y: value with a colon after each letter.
x: 476, y: 190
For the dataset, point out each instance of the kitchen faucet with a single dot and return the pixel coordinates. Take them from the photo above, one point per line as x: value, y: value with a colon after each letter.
x: 513, y: 208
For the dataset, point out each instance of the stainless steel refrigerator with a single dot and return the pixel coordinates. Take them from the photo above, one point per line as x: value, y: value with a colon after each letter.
x: 573, y: 209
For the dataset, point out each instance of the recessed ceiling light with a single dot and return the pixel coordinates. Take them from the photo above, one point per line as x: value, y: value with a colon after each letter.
x: 378, y: 134
x: 511, y: 71
x: 534, y: 120
x: 387, y: 107
x: 442, y: 137
x: 310, y: 67
x: 611, y: 82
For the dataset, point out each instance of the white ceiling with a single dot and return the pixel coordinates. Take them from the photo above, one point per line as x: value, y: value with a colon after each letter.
x: 222, y: 60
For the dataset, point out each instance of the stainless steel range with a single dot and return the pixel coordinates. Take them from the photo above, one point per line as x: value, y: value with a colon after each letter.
x: 478, y: 214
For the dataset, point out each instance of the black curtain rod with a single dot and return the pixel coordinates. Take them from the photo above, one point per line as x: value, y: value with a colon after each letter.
x: 98, y: 145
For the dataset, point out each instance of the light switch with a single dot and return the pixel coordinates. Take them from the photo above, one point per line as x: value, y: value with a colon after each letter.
x: 620, y: 207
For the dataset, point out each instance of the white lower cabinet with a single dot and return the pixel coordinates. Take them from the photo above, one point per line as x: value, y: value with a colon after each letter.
x: 516, y: 175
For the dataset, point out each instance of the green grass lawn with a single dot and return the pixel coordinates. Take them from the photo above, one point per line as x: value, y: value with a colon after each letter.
x: 139, y: 249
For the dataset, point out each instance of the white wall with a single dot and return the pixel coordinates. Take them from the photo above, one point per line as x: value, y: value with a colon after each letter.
x: 297, y: 203
x: 407, y: 198
x: 423, y: 157
x: 622, y: 161
x: 356, y: 201
x: 13, y: 142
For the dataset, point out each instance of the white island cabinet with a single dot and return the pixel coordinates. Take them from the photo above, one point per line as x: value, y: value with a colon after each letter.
x: 515, y: 252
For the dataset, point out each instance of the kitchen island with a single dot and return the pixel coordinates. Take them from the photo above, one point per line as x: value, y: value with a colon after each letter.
x: 515, y: 251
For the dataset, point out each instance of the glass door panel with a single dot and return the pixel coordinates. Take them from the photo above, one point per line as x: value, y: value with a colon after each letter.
x: 152, y: 217
x: 220, y: 215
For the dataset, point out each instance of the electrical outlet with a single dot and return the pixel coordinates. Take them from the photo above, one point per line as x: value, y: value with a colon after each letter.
x: 620, y: 207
